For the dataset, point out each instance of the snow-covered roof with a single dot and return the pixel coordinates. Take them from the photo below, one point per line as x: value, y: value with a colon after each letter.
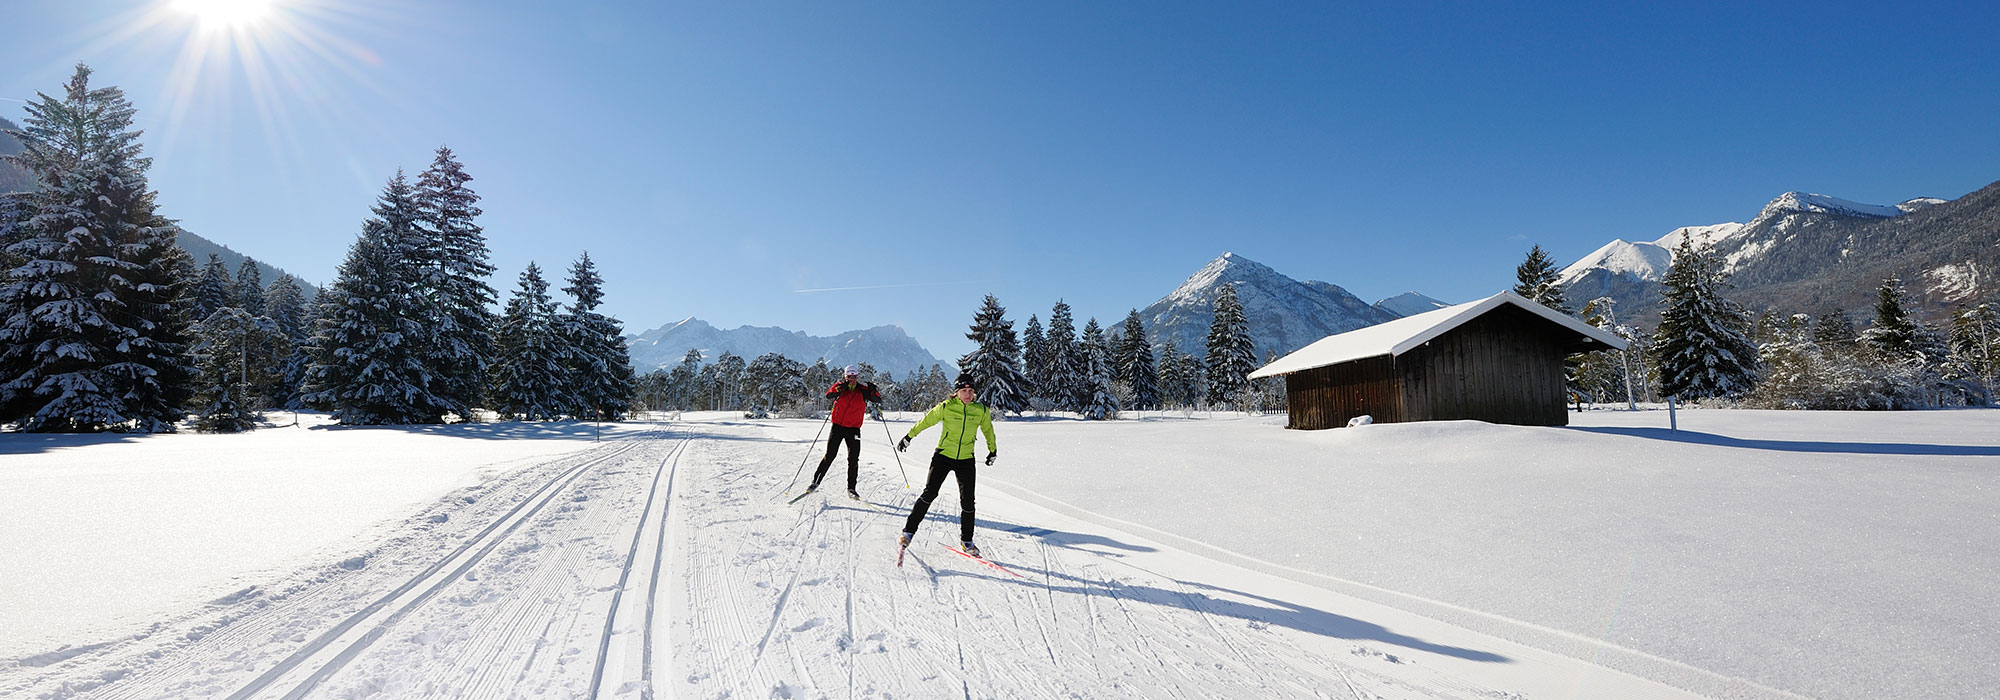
x: 1404, y: 334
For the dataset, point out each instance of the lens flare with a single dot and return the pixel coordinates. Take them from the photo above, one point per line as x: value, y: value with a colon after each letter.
x: 227, y: 13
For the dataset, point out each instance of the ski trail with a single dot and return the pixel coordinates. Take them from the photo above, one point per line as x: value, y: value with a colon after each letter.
x: 374, y: 620
x: 778, y: 611
x: 665, y: 472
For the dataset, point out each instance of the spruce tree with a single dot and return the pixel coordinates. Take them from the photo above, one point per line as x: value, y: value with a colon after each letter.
x: 215, y: 290
x: 1702, y: 348
x: 1231, y: 358
x: 248, y: 293
x: 1034, y: 360
x: 368, y: 367
x: 994, y: 364
x: 454, y: 268
x: 1063, y: 381
x: 238, y: 354
x: 1834, y: 329
x: 600, y: 366
x: 285, y: 305
x: 1100, y: 402
x: 528, y: 375
x: 1536, y: 279
x: 92, y: 331
x: 1135, y: 364
x: 1894, y: 335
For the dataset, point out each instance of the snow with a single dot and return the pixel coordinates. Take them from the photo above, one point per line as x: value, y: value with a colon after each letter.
x: 1819, y: 203
x: 1751, y: 554
x: 1403, y: 334
x: 1647, y: 260
x: 178, y: 519
x: 1954, y: 282
x: 1702, y: 236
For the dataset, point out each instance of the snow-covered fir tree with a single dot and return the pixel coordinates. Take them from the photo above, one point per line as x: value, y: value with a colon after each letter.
x: 600, y: 366
x: 1896, y: 335
x: 1538, y: 279
x: 285, y: 304
x: 994, y: 363
x: 454, y: 268
x: 1231, y: 358
x: 158, y: 374
x: 528, y: 372
x: 775, y: 383
x: 1101, y: 401
x: 1701, y: 343
x: 304, y: 349
x: 215, y: 290
x: 1034, y: 360
x: 1136, y: 368
x: 1835, y: 328
x: 1181, y: 381
x: 248, y: 293
x: 368, y: 366
x: 1063, y: 378
x: 92, y: 331
x: 238, y: 354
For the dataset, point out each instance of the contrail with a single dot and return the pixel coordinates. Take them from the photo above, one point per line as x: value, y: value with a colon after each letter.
x: 10, y: 99
x: 876, y: 286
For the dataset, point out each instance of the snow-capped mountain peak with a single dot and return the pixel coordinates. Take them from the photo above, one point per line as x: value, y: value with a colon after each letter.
x: 1284, y: 314
x: 1911, y: 205
x: 1822, y: 204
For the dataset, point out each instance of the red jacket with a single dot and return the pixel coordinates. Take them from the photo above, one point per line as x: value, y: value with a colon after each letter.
x: 848, y: 408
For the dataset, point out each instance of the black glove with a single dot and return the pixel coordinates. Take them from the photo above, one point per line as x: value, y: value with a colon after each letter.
x: 990, y: 456
x: 903, y: 446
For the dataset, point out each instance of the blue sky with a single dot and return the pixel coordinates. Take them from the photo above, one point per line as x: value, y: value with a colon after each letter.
x: 717, y: 158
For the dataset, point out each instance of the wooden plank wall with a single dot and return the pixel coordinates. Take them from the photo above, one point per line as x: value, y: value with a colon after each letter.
x: 1327, y: 397
x: 1503, y: 367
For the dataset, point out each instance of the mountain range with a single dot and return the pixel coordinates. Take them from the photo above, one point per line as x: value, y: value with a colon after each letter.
x: 888, y: 348
x: 1284, y: 314
x: 1814, y: 253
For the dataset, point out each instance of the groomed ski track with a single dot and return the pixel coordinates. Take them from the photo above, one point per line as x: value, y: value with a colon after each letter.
x: 668, y: 565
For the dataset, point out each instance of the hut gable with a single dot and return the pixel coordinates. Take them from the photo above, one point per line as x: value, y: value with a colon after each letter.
x: 1498, y: 359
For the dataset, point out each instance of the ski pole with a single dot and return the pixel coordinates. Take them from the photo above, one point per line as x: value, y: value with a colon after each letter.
x: 893, y: 452
x: 809, y: 454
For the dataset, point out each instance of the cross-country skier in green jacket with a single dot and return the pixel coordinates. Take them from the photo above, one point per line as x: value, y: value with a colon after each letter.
x: 961, y: 416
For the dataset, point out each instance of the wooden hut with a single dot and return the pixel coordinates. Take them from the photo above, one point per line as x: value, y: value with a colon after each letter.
x: 1499, y: 360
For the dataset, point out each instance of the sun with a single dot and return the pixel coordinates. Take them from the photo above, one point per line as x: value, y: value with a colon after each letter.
x: 226, y: 13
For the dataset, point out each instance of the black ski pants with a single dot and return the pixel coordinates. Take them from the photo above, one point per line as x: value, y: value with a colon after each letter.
x: 853, y: 438
x: 941, y: 466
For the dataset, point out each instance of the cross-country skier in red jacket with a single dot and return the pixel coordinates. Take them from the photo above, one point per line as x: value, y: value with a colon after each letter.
x: 849, y: 397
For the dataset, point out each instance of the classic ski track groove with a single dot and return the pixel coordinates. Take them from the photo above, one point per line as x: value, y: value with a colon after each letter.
x: 490, y: 538
x: 668, y: 466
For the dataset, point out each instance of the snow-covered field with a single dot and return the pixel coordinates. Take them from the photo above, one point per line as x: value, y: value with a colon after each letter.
x: 1753, y: 554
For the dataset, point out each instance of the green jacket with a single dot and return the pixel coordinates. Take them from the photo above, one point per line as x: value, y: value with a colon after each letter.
x: 959, y: 420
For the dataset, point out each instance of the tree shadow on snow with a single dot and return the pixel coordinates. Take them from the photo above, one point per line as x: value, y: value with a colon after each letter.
x: 1251, y: 608
x: 1859, y: 448
x: 31, y: 443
